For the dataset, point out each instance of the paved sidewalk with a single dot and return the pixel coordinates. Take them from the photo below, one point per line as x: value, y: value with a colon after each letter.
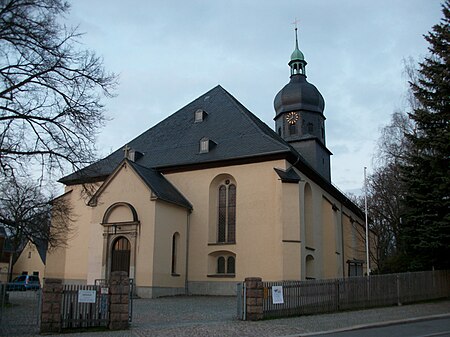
x: 199, y: 316
x: 215, y: 317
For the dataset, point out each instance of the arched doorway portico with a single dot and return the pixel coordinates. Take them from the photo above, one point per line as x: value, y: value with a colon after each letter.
x: 121, y: 228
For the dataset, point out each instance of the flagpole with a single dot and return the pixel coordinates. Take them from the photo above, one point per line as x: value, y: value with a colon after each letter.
x: 367, y: 223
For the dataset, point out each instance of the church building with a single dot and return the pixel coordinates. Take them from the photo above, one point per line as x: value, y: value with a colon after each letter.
x: 212, y: 195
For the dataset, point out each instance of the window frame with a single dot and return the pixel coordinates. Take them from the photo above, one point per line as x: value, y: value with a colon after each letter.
x: 204, y: 145
x: 175, y: 249
x: 223, y: 264
x: 226, y: 213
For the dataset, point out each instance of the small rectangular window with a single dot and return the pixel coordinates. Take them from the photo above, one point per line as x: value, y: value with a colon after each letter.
x: 355, y: 268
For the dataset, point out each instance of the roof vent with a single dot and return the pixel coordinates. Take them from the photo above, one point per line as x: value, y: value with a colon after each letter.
x: 199, y: 115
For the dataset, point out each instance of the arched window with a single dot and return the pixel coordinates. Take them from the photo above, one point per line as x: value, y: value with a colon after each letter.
x: 221, y: 265
x: 226, y: 265
x: 231, y: 262
x: 175, y: 240
x: 310, y: 273
x: 309, y: 229
x: 226, y: 222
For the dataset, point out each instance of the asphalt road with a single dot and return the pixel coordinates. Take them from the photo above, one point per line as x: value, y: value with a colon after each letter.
x: 426, y: 328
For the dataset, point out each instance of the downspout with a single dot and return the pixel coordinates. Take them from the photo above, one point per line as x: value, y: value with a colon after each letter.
x: 342, y: 244
x: 186, y: 284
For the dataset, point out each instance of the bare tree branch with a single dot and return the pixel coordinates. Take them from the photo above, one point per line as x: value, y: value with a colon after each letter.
x: 29, y: 214
x: 50, y: 90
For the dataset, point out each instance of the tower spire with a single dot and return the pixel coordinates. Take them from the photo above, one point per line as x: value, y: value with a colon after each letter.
x: 299, y: 118
x: 296, y: 29
x: 297, y: 62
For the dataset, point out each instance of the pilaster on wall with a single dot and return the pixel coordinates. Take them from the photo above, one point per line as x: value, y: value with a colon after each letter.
x: 255, y: 296
x: 51, y: 306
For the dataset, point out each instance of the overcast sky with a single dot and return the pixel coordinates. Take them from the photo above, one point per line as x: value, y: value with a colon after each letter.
x: 168, y: 53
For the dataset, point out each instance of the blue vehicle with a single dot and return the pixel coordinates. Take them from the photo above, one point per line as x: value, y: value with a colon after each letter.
x: 24, y: 282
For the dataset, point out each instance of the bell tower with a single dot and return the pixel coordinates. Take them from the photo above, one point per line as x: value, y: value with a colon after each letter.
x: 299, y: 117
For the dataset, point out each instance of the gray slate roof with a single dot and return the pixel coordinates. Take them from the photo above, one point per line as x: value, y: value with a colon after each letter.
x: 160, y: 186
x: 175, y: 140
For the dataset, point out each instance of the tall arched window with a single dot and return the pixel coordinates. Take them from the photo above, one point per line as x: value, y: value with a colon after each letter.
x: 309, y: 229
x: 226, y: 222
x: 175, y: 240
x: 310, y: 272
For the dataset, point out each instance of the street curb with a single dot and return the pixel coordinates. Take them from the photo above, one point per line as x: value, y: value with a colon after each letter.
x: 371, y: 325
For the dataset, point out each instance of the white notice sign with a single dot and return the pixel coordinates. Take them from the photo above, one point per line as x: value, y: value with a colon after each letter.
x: 277, y: 295
x: 86, y: 296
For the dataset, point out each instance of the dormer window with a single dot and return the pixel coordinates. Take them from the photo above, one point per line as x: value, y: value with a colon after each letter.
x: 206, y: 145
x: 199, y: 115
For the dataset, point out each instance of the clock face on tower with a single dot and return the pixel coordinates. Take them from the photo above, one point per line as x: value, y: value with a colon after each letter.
x: 292, y: 117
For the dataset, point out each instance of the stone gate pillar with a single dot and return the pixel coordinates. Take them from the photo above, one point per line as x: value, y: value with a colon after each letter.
x: 254, y: 300
x: 51, y: 305
x: 119, y: 286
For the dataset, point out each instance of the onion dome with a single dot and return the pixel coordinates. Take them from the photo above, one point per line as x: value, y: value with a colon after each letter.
x: 298, y: 94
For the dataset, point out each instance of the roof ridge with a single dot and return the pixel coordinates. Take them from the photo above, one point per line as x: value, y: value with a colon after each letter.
x: 273, y: 137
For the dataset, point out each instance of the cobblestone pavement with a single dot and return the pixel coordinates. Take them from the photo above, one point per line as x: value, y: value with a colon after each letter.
x: 216, y: 317
x: 20, y: 316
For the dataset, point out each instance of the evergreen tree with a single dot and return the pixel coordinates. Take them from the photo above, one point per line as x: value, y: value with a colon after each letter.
x: 426, y: 222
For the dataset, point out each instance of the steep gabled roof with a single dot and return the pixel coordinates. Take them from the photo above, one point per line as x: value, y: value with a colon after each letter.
x: 175, y: 142
x: 236, y: 132
x: 160, y: 186
x: 154, y: 180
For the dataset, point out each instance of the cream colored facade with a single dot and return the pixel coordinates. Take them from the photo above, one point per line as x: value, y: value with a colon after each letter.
x: 29, y: 262
x: 284, y: 231
x: 212, y: 195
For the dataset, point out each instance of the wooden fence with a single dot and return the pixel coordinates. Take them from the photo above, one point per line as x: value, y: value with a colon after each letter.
x: 93, y: 310
x: 321, y: 296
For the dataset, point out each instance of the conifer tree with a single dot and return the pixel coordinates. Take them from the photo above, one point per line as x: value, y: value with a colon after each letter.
x: 426, y: 222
